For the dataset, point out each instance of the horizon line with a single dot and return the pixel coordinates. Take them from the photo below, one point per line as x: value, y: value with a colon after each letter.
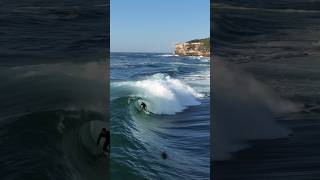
x: 138, y: 52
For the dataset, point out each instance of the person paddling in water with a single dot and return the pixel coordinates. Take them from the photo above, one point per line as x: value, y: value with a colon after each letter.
x: 106, y: 135
x: 144, y: 106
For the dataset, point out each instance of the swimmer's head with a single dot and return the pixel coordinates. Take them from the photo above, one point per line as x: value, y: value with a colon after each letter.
x: 164, y: 155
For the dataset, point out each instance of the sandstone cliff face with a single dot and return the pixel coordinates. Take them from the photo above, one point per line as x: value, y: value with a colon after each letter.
x: 193, y: 48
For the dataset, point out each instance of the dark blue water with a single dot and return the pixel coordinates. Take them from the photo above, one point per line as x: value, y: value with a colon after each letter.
x: 268, y: 54
x: 53, y: 89
x: 41, y: 32
x: 176, y: 91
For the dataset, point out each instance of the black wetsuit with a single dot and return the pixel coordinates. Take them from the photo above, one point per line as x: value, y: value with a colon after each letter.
x: 106, y: 135
x: 144, y: 106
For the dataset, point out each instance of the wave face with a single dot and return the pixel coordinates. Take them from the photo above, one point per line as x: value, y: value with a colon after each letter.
x: 50, y: 118
x: 53, y: 89
x: 176, y: 121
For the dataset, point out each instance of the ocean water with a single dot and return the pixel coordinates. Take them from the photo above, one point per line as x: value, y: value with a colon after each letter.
x: 176, y: 92
x: 267, y: 88
x: 53, y: 89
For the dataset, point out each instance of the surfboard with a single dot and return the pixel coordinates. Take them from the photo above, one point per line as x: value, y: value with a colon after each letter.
x: 142, y: 110
x: 147, y: 112
x: 138, y: 106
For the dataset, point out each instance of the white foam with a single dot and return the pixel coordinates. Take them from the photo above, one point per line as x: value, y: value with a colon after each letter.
x: 200, y: 81
x: 162, y: 93
x: 168, y: 55
x: 201, y: 58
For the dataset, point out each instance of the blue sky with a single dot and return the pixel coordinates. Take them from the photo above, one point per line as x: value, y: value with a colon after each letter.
x: 156, y: 25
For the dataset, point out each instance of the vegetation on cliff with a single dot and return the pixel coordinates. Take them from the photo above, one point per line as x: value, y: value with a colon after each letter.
x: 196, y: 47
x: 205, y: 41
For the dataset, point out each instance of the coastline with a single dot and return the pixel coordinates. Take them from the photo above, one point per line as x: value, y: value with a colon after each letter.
x: 196, y: 47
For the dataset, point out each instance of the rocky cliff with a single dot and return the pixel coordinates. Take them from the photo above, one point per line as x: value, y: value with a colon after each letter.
x: 197, y: 47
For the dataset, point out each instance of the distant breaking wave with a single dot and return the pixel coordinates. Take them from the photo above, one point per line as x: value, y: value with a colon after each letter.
x: 168, y: 55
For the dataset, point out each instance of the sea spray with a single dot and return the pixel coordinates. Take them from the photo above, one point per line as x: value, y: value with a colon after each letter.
x: 243, y: 111
x: 162, y: 93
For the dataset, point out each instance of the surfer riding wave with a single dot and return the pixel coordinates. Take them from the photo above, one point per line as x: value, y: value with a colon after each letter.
x: 106, y: 135
x: 143, y: 106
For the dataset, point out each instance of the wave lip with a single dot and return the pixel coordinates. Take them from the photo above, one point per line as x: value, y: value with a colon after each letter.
x: 162, y: 93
